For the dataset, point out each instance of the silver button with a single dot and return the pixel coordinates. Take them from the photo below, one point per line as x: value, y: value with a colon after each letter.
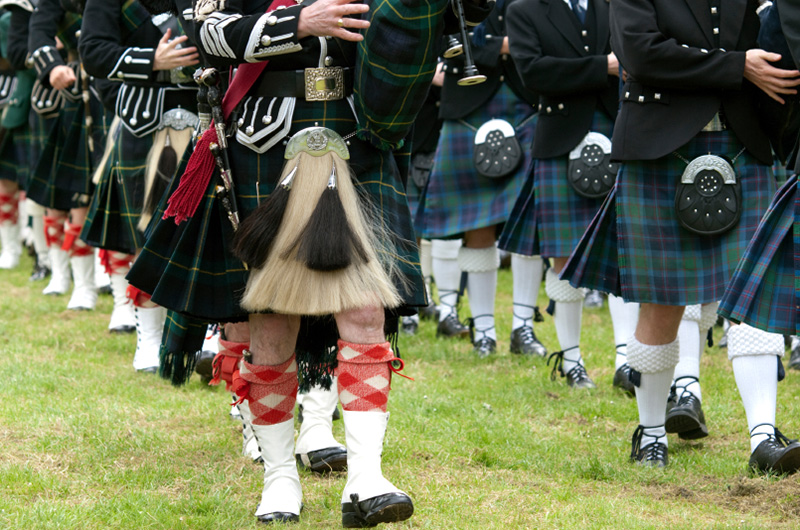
x: 272, y: 20
x: 504, y: 56
x: 328, y: 61
x: 627, y: 95
x: 500, y: 17
x: 120, y: 75
x: 657, y: 96
x: 549, y: 110
x: 560, y: 106
x: 128, y: 59
x: 134, y: 121
x: 266, y: 40
x: 266, y: 120
x: 703, y: 50
x: 584, y: 33
x: 146, y: 115
x: 502, y: 78
x: 250, y: 130
x: 716, y: 31
x: 586, y: 48
x: 713, y: 10
x: 641, y: 99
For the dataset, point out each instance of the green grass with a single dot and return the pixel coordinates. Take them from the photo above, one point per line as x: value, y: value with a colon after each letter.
x: 86, y: 443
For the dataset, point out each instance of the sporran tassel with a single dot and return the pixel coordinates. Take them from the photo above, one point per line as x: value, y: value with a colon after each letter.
x: 256, y: 235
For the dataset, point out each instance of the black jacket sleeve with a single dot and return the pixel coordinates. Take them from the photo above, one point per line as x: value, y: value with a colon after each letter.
x: 42, y: 38
x: 101, y: 45
x: 18, y: 38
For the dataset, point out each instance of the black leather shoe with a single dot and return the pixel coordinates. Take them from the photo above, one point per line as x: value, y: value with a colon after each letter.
x: 524, y: 342
x: 622, y: 380
x: 204, y: 365
x: 278, y: 517
x: 484, y: 347
x: 388, y: 508
x: 408, y: 326
x: 39, y: 273
x: 577, y: 377
x: 685, y: 416
x: 776, y: 454
x: 651, y: 455
x: 323, y: 460
x: 794, y: 359
x: 149, y: 370
x: 452, y: 327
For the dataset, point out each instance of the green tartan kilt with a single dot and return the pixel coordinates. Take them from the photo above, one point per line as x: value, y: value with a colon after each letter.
x: 62, y: 177
x: 189, y: 267
x: 16, y: 155
x: 119, y: 197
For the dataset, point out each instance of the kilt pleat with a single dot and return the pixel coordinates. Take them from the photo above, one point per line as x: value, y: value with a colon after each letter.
x: 118, y: 200
x: 521, y: 232
x: 189, y: 267
x: 659, y: 261
x: 762, y: 292
x: 62, y: 177
x: 457, y: 199
x: 16, y: 155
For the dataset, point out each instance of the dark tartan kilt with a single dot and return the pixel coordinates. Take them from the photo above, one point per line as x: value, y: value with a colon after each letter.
x: 457, y: 199
x: 119, y: 197
x: 636, y: 248
x: 189, y: 267
x: 763, y: 290
x: 62, y: 177
x: 553, y: 222
x: 15, y: 155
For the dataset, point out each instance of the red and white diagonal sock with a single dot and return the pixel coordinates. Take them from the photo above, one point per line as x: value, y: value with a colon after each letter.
x: 226, y: 363
x: 271, y: 392
x: 364, y: 376
x: 73, y: 244
x: 54, y: 230
x: 9, y: 208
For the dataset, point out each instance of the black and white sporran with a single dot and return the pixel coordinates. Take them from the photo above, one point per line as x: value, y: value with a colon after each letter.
x: 590, y: 171
x: 497, y: 152
x: 709, y: 196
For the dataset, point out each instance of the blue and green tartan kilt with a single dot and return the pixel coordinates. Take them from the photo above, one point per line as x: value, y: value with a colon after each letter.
x: 635, y: 247
x: 189, y: 268
x: 553, y: 223
x: 119, y: 197
x: 457, y: 199
x: 62, y: 177
x: 15, y: 155
x: 763, y: 291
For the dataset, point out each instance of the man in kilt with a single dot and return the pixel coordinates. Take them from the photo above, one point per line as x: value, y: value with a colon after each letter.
x: 62, y: 179
x: 461, y: 201
x: 562, y: 51
x: 156, y: 110
x: 688, y: 128
x: 273, y: 113
x: 763, y: 291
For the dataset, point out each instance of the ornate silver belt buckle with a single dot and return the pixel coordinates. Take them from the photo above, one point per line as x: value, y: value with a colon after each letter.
x: 324, y: 84
x: 179, y: 119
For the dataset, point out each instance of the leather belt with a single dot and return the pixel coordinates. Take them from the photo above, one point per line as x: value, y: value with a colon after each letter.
x: 328, y: 83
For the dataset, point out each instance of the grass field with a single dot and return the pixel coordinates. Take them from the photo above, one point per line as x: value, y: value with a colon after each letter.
x: 86, y: 443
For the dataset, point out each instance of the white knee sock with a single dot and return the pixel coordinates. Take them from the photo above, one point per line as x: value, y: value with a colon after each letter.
x: 656, y: 365
x: 687, y: 371
x: 624, y: 317
x: 527, y: 272
x: 754, y: 355
x: 567, y: 317
x: 446, y: 274
x: 481, y: 265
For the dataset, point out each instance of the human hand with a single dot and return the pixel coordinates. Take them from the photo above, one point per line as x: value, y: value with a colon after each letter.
x: 332, y: 18
x: 773, y: 81
x: 613, y: 64
x: 62, y: 77
x: 169, y: 56
x: 438, y: 77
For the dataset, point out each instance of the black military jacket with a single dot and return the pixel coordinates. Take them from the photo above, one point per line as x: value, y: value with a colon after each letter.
x: 567, y: 63
x: 685, y: 60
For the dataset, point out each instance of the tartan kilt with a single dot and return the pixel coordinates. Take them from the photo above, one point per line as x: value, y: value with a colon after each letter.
x: 635, y: 247
x: 763, y: 290
x: 62, y: 177
x: 553, y: 222
x: 457, y: 199
x: 189, y: 268
x: 119, y: 197
x: 16, y: 155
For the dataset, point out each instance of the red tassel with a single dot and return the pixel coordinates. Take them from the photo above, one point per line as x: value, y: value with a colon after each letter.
x: 137, y: 296
x: 184, y: 201
x: 240, y: 387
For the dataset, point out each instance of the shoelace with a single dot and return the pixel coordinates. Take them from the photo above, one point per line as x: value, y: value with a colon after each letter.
x: 526, y: 335
x: 578, y: 374
x: 777, y: 437
x: 655, y: 451
x: 559, y: 363
x: 473, y: 330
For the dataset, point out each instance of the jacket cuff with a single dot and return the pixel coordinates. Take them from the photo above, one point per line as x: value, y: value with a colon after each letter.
x: 44, y: 60
x: 135, y: 64
x: 275, y: 33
